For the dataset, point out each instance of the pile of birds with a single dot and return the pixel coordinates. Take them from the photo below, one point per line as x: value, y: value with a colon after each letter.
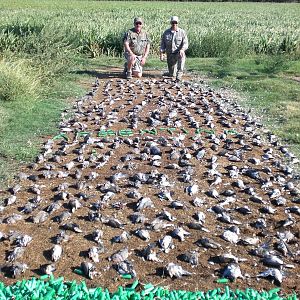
x: 194, y: 187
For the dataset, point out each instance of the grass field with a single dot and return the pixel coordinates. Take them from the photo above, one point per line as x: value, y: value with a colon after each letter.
x: 96, y: 27
x: 253, y: 48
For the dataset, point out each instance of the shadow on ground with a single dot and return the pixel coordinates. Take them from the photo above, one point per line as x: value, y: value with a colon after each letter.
x: 101, y: 74
x: 107, y: 73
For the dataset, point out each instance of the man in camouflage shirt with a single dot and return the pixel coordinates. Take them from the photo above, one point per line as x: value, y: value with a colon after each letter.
x: 137, y: 46
x: 174, y: 43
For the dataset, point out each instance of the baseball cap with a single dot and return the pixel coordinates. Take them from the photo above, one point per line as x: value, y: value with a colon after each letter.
x: 138, y: 20
x: 174, y: 19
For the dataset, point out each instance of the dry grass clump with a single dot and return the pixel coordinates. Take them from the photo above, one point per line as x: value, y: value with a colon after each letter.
x: 18, y: 82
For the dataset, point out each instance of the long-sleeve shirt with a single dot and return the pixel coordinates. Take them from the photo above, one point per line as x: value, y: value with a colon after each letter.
x: 174, y: 41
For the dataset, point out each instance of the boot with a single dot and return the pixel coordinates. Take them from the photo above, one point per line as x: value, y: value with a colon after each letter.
x: 129, y: 75
x: 125, y: 69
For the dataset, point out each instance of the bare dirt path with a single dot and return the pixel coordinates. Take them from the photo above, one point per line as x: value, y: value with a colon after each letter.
x: 170, y: 172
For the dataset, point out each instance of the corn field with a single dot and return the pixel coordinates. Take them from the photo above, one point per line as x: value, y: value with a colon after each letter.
x: 51, y: 28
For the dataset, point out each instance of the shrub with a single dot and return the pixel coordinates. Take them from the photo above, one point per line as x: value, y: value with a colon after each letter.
x: 216, y: 44
x: 275, y: 63
x: 18, y: 81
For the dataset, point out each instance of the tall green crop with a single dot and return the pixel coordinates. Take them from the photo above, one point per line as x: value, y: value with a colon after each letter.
x: 97, y: 27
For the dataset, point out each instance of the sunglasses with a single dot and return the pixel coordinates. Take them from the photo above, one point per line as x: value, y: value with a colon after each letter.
x: 174, y: 22
x: 138, y: 23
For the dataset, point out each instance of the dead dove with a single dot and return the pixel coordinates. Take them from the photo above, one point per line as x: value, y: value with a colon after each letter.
x: 13, y: 219
x: 11, y: 200
x: 143, y: 234
x: 232, y: 272
x: 144, y: 203
x: 88, y: 269
x: 208, y: 243
x: 74, y: 204
x: 61, y: 237
x: 150, y: 254
x: 166, y: 243
x: 198, y: 202
x: 23, y: 240
x: 112, y: 222
x: 64, y: 216
x: 138, y: 217
x: 48, y: 269
x: 273, y: 273
x: 93, y: 254
x: 72, y: 227
x: 15, y: 254
x: 191, y: 257
x: 272, y: 261
x: 230, y: 236
x: 97, y: 235
x: 227, y: 258
x: 53, y: 207
x: 119, y: 256
x: 167, y: 216
x: 17, y: 269
x: 180, y: 233
x: 192, y: 189
x: 125, y: 267
x: 197, y: 226
x: 56, y: 253
x: 177, y: 271
x: 213, y: 193
x: 122, y: 238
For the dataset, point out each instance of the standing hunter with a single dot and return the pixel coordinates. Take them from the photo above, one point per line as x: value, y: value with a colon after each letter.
x: 137, y: 46
x: 174, y: 43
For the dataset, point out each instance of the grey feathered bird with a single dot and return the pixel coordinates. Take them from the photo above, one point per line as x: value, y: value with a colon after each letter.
x: 177, y: 271
x: 88, y: 269
x: 119, y: 256
x: 56, y: 253
x: 232, y: 272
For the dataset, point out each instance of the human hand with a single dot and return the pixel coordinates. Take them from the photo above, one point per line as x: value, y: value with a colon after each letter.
x: 162, y: 56
x: 181, y: 53
x: 143, y: 61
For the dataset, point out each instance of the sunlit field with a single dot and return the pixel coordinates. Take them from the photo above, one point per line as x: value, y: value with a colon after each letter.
x: 96, y: 27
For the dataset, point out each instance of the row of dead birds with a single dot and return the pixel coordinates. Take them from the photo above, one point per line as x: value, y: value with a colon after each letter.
x: 186, y: 172
x: 153, y: 149
x: 124, y: 266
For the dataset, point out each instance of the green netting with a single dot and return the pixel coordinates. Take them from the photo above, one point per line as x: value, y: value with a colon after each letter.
x: 50, y: 288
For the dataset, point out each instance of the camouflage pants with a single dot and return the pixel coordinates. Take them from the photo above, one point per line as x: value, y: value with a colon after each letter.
x: 175, y: 64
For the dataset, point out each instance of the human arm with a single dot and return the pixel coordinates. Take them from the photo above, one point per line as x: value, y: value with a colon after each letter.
x: 126, y: 41
x: 147, y: 49
x: 181, y: 53
x: 162, y: 47
x: 127, y: 49
x: 185, y: 44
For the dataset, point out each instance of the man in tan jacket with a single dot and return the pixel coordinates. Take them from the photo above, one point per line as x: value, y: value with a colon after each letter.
x: 174, y: 43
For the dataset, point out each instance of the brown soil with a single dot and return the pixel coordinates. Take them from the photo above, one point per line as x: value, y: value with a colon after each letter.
x: 121, y: 96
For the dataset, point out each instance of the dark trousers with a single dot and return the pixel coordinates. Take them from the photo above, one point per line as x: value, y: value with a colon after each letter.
x: 175, y: 64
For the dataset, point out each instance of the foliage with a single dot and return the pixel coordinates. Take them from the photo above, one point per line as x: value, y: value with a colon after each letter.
x: 96, y: 27
x: 275, y: 64
x: 17, y: 82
